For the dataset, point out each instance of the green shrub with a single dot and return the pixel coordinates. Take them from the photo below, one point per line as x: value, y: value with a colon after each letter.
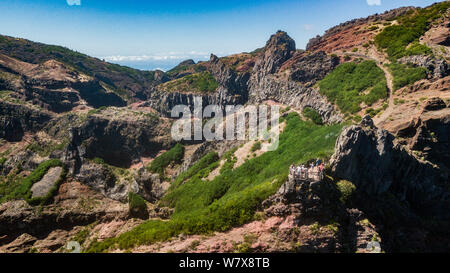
x: 98, y: 160
x: 2, y: 161
x: 345, y: 85
x: 256, y: 147
x: 405, y: 75
x: 136, y: 202
x: 174, y: 155
x: 347, y: 189
x: 418, y: 49
x: 230, y: 161
x: 206, y: 163
x: 232, y: 198
x: 313, y: 115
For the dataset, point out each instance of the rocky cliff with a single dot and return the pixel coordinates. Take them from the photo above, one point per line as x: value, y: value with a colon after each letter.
x: 370, y: 158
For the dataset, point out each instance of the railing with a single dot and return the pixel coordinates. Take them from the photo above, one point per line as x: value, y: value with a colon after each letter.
x: 307, y: 176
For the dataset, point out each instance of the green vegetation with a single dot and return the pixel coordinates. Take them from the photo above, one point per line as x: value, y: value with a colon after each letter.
x: 351, y: 83
x: 173, y: 156
x: 313, y: 115
x: 46, y: 149
x: 200, y: 169
x: 98, y: 160
x: 373, y: 112
x: 399, y: 101
x: 256, y: 147
x: 405, y: 75
x: 232, y: 198
x: 347, y: 189
x: 396, y: 39
x: 186, y: 68
x: 202, y: 82
x: 136, y: 202
x: 230, y: 160
x: 13, y: 189
x: 2, y: 160
x: 81, y: 236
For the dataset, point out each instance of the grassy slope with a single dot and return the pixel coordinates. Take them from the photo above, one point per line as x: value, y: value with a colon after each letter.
x: 402, y: 39
x: 345, y: 86
x: 174, y: 155
x: 232, y: 198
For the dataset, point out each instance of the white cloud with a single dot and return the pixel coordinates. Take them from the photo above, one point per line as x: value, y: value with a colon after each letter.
x: 142, y: 58
x: 307, y: 27
x: 374, y: 2
x: 74, y: 2
x: 158, y: 57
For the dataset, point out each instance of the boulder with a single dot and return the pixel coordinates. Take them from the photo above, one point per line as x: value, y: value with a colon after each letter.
x: 150, y: 186
x: 100, y: 178
x: 50, y: 179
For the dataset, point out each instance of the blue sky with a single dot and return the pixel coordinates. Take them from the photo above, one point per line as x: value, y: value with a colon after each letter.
x: 159, y: 34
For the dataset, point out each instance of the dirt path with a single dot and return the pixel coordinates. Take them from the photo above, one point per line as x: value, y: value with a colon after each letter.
x: 380, y: 60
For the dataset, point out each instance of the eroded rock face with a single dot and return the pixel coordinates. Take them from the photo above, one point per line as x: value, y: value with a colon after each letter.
x: 371, y: 159
x: 293, y: 91
x: 314, y: 67
x: 118, y: 142
x: 293, y: 94
x: 101, y: 179
x: 437, y: 68
x: 232, y: 90
x: 150, y: 186
x: 429, y: 132
x: 15, y: 120
x: 17, y: 217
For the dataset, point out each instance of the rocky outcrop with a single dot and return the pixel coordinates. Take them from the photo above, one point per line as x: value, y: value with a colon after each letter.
x: 119, y: 142
x: 17, y: 217
x: 264, y: 85
x: 429, y: 133
x: 50, y: 179
x: 318, y: 202
x: 313, y: 67
x: 436, y: 68
x: 278, y: 49
x: 293, y: 94
x: 150, y: 186
x: 232, y: 90
x: 101, y: 179
x: 16, y: 119
x: 371, y: 159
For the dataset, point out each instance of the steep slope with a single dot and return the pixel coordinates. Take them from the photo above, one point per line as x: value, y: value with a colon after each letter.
x: 131, y: 83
